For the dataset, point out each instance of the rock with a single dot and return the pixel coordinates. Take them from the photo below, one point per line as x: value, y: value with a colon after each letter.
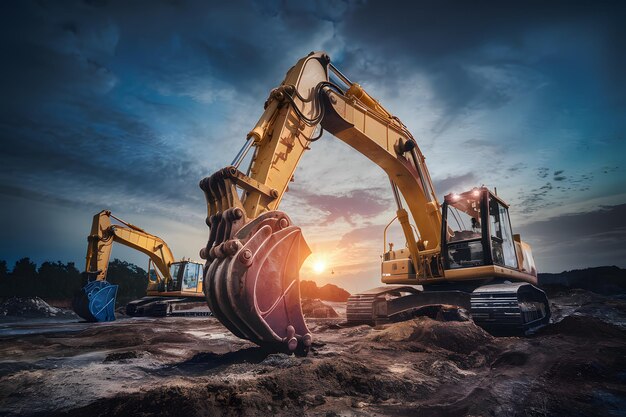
x: 317, y: 309
x: 454, y: 336
x: 280, y: 360
x: 120, y: 356
x: 313, y: 400
x: 439, y: 312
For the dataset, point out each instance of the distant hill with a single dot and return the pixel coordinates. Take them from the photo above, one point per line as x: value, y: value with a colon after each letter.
x: 602, y: 280
x: 329, y: 292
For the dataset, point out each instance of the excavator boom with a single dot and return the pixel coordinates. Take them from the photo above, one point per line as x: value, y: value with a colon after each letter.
x: 104, y: 234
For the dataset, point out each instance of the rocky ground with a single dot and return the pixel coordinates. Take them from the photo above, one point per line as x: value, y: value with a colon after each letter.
x: 22, y: 308
x: 193, y: 366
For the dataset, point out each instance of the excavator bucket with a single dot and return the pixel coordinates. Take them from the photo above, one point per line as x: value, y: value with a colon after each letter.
x: 252, y: 280
x: 96, y: 301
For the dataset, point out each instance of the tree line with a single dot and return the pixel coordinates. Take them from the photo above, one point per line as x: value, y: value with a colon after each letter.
x: 59, y: 281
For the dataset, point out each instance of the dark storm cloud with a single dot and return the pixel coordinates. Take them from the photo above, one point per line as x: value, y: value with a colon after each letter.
x: 45, y: 54
x: 579, y: 240
x: 72, y: 71
x: 453, y: 43
x: 88, y: 84
x: 124, y: 156
x: 9, y: 190
x: 444, y: 28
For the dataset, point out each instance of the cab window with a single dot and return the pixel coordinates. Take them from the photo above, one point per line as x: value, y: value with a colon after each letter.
x: 190, y: 277
x: 464, y: 219
x: 464, y: 231
x: 502, y: 245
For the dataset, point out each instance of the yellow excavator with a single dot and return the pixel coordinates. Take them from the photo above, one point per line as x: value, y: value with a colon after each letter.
x: 462, y: 252
x: 174, y: 287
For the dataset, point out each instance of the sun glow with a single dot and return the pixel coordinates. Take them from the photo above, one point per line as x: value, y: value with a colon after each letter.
x: 319, y: 266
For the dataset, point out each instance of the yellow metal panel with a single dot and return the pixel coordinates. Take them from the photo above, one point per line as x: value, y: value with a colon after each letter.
x: 488, y: 271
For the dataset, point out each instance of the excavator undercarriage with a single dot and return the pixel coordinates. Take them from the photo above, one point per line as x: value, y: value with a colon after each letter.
x: 167, y: 307
x: 503, y: 309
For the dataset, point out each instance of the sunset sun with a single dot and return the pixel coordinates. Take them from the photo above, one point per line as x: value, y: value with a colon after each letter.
x: 319, y: 267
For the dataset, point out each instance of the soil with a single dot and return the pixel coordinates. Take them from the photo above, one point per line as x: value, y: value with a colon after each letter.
x: 313, y: 308
x: 424, y: 366
x: 31, y: 307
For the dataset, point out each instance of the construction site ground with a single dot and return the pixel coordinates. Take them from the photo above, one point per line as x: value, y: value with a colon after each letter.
x: 195, y: 367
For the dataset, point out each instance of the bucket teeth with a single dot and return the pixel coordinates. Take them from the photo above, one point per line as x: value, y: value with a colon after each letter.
x: 212, y: 296
x: 253, y: 285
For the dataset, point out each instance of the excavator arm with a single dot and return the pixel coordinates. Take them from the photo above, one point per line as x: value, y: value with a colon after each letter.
x: 104, y: 233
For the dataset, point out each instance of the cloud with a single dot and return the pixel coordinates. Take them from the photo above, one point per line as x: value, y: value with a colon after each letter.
x: 536, y: 198
x: 579, y: 240
x: 357, y: 236
x: 458, y: 183
x: 359, y: 203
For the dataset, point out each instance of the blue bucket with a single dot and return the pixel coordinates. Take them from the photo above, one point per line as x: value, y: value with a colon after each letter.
x: 96, y: 301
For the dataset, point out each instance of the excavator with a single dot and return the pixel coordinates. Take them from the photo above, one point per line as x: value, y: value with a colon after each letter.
x: 462, y: 252
x: 174, y: 287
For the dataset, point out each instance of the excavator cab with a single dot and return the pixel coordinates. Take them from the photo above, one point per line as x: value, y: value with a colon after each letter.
x: 190, y: 277
x: 186, y: 277
x: 477, y: 231
x: 478, y: 245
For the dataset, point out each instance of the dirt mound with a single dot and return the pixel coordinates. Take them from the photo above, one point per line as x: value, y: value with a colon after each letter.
x: 317, y: 309
x: 288, y: 390
x: 585, y: 327
x: 31, y: 307
x: 439, y: 312
x: 455, y: 336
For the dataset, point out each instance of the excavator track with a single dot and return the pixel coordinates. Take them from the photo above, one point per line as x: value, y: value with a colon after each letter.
x: 503, y: 308
x: 167, y: 307
x: 510, y: 308
x: 393, y: 303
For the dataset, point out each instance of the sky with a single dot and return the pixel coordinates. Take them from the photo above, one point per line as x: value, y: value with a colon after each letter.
x: 127, y: 105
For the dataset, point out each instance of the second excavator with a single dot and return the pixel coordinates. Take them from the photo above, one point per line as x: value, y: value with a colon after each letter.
x: 174, y: 287
x: 462, y: 252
